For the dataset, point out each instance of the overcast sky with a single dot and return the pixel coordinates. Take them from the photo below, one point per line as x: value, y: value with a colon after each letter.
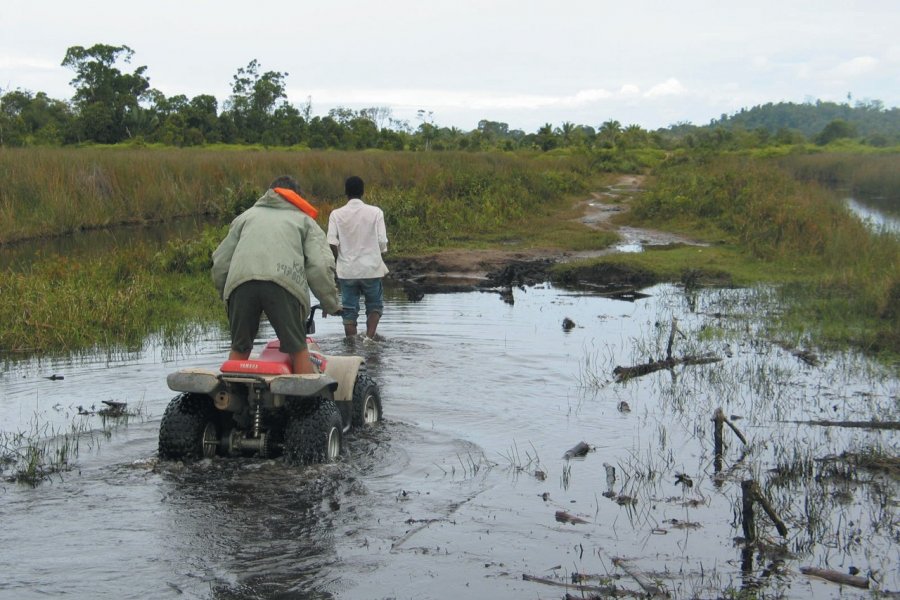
x: 523, y: 62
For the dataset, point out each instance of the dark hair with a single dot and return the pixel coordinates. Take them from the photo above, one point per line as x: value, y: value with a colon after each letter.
x: 354, y: 187
x: 285, y: 181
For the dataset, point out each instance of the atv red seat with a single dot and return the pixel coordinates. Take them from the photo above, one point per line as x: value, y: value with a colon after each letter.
x: 271, y: 361
x: 256, y: 367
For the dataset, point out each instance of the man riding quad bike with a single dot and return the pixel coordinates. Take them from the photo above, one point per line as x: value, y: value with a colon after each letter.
x: 258, y: 407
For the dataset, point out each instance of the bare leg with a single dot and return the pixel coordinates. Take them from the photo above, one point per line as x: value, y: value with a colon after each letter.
x: 235, y: 355
x: 350, y: 329
x: 302, y: 364
x: 372, y: 324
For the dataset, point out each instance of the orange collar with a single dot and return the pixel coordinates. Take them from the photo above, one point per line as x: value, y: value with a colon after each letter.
x: 295, y: 199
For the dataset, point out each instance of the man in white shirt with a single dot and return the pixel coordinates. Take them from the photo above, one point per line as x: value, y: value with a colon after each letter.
x: 358, y: 238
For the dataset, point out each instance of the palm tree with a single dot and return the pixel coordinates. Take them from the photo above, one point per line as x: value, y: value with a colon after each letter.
x: 609, y: 133
x: 565, y: 132
x: 634, y: 136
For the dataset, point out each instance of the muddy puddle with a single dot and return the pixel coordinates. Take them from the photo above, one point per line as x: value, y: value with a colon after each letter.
x: 463, y: 491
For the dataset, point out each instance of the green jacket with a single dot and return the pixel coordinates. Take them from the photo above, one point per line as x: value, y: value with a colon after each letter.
x: 275, y: 241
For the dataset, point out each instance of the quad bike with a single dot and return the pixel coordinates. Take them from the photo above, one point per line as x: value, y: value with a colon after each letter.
x: 258, y: 407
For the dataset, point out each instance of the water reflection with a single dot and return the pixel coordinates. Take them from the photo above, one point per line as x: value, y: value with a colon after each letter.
x: 94, y: 243
x: 247, y: 529
x: 875, y: 218
x: 455, y: 494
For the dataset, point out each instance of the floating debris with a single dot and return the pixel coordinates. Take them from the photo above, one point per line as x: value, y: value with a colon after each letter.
x: 564, y: 517
x: 579, y: 449
x: 808, y: 357
x: 113, y: 408
x: 684, y: 480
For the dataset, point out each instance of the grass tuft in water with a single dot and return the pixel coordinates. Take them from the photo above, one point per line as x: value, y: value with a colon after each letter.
x: 30, y: 457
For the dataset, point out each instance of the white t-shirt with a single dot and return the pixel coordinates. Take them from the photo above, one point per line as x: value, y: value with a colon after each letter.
x: 357, y: 229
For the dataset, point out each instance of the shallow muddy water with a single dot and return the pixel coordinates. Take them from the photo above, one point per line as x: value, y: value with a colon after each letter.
x: 463, y: 490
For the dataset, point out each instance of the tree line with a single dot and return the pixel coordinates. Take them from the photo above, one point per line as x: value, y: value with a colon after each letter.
x: 112, y: 105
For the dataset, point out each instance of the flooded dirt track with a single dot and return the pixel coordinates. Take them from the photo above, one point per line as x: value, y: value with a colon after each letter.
x: 463, y: 490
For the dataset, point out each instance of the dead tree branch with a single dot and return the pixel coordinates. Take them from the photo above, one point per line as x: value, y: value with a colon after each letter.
x: 834, y: 576
x: 650, y: 588
x: 890, y: 425
x: 624, y: 373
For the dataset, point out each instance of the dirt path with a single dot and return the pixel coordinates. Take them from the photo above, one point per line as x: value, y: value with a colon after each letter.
x: 465, y: 268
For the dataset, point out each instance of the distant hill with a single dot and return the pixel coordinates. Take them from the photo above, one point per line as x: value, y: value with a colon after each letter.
x: 867, y: 119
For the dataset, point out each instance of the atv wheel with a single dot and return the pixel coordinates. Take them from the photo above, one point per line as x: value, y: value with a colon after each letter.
x: 366, y: 402
x: 188, y: 428
x: 315, y: 437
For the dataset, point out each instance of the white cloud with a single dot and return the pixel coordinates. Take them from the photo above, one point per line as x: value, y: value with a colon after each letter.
x: 893, y: 53
x: 760, y: 63
x: 436, y: 99
x: 670, y: 87
x: 27, y: 63
x: 861, y: 65
x: 425, y: 98
x: 587, y: 97
x: 661, y: 63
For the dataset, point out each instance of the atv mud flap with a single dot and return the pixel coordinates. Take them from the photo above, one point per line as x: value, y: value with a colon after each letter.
x: 302, y: 385
x: 344, y: 370
x: 198, y: 381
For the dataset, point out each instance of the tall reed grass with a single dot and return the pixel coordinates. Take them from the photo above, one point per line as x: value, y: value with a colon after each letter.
x: 117, y: 299
x: 53, y: 191
x: 870, y: 176
x: 855, y: 296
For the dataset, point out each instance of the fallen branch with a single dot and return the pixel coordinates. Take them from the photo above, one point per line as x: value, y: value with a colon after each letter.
x: 650, y: 588
x: 672, y: 333
x: 625, y: 294
x: 893, y: 425
x: 834, y: 576
x: 624, y: 373
x: 423, y: 523
x: 753, y: 494
x: 572, y: 586
x: 564, y: 517
x: 719, y: 418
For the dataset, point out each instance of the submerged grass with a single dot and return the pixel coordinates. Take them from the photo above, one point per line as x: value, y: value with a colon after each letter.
x: 45, y: 451
x: 835, y: 488
x: 840, y: 281
x: 33, y: 456
x: 113, y: 302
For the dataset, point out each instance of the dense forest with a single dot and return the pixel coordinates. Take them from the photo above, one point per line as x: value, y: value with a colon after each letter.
x: 113, y: 106
x: 820, y: 121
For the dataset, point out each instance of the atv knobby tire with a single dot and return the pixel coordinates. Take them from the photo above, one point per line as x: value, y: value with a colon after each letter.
x: 314, y: 437
x: 188, y: 428
x: 366, y: 402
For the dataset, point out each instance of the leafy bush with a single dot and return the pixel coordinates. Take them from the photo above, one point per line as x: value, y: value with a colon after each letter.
x: 191, y: 255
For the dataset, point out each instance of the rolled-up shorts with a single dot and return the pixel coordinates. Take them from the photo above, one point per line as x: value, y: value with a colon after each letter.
x: 352, y: 289
x: 247, y: 303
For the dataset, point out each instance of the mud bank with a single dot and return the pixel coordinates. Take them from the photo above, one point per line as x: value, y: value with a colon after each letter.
x: 491, y: 271
x: 463, y: 270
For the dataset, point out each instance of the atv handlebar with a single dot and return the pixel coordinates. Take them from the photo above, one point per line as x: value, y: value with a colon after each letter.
x: 310, y: 321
